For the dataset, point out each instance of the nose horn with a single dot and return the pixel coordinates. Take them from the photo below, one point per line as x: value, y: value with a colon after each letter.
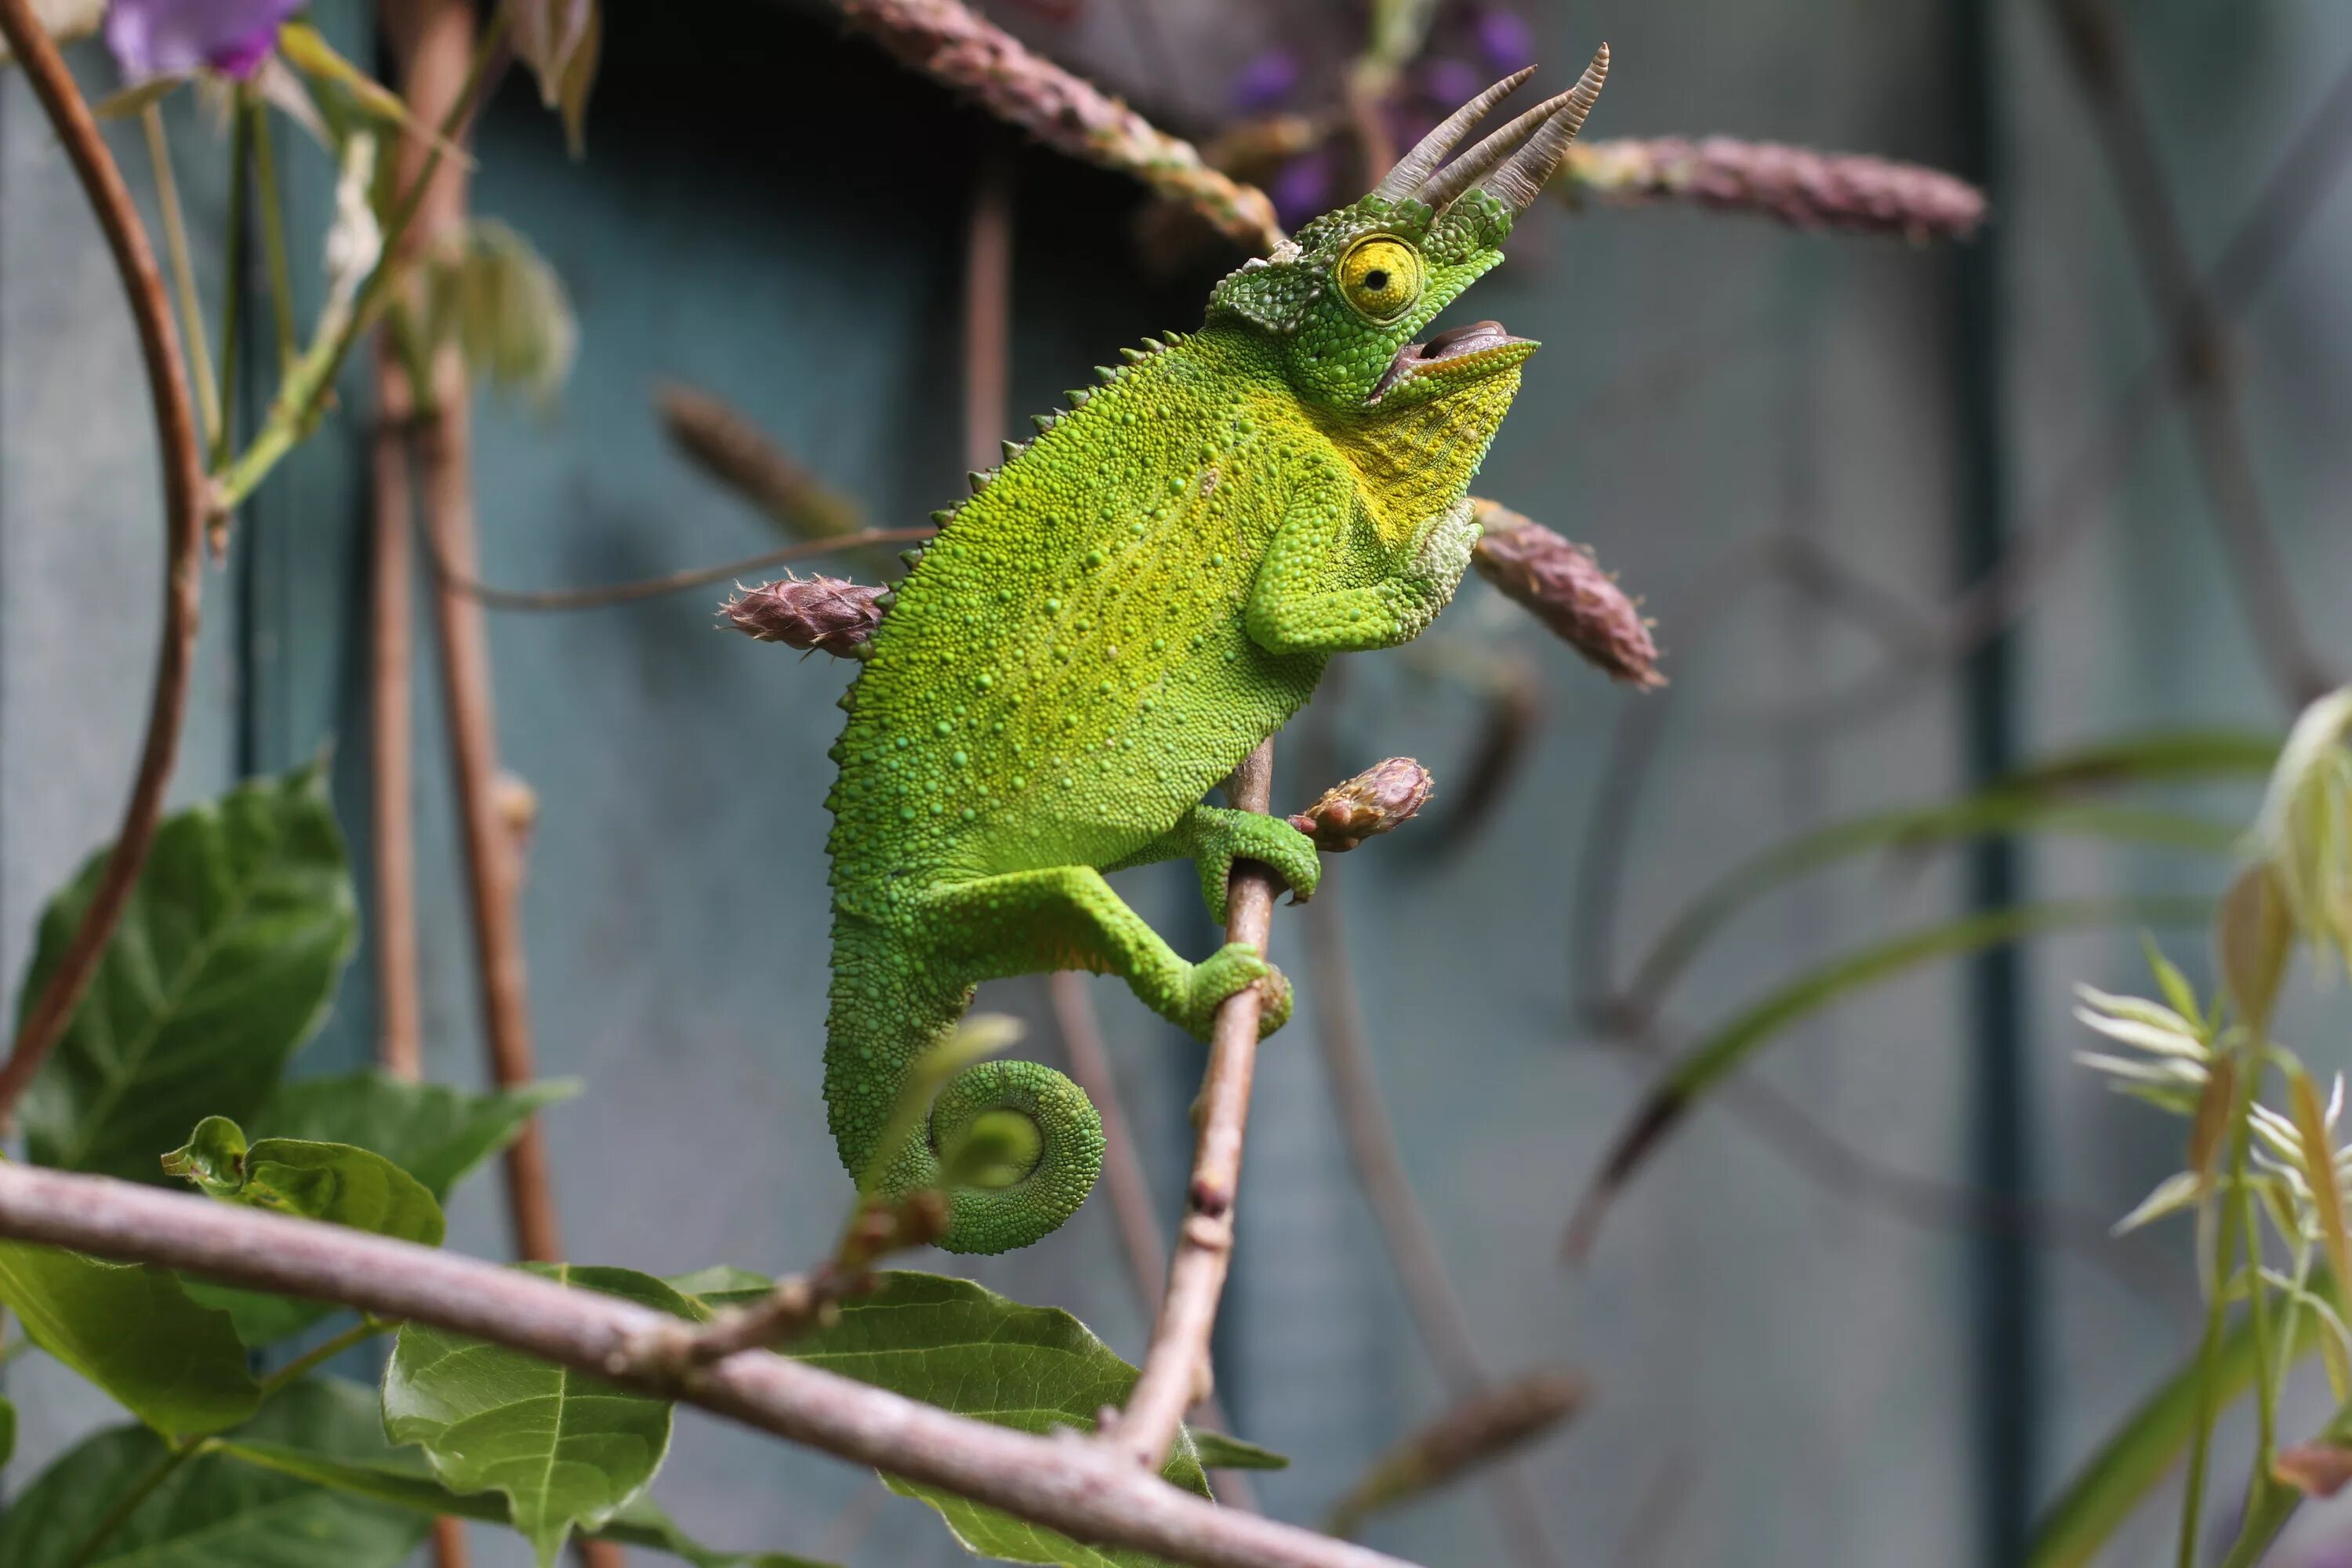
x: 1520, y: 178
x: 1430, y: 149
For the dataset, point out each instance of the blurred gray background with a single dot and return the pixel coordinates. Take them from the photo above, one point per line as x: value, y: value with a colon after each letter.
x: 1808, y: 1343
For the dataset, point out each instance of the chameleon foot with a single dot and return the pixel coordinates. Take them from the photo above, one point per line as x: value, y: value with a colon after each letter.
x: 1225, y: 972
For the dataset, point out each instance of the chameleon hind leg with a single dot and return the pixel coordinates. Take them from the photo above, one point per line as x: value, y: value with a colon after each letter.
x: 1213, y: 836
x: 1067, y: 917
x: 893, y: 1000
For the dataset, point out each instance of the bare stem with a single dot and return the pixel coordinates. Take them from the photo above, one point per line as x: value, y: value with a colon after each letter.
x: 184, y: 271
x: 1175, y: 1367
x: 44, y: 1020
x: 1132, y: 1213
x: 1062, y: 1482
x: 391, y: 755
x: 272, y: 199
x: 455, y: 578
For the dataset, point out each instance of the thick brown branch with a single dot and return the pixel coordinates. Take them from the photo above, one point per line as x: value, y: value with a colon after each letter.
x: 1175, y: 1367
x: 1066, y: 1483
x: 183, y: 479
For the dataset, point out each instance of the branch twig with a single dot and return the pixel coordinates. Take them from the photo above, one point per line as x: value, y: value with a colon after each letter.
x: 175, y: 432
x: 1066, y: 1483
x: 1175, y: 1367
x: 947, y: 42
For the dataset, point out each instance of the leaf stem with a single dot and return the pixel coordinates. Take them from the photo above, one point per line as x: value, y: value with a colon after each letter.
x: 240, y: 161
x: 2192, y: 1498
x: 273, y: 235
x: 310, y: 1361
x: 302, y: 398
x: 181, y: 1452
x: 184, y: 275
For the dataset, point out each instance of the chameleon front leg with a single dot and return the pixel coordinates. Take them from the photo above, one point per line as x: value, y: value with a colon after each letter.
x: 1325, y: 589
x: 1213, y: 838
x: 1067, y: 917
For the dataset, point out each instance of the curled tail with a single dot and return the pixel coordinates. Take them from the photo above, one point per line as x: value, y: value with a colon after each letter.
x: 887, y: 1009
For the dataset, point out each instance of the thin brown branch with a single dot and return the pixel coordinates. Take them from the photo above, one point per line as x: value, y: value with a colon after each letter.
x: 988, y: 311
x: 1132, y: 1213
x: 1176, y: 1366
x: 1062, y: 1482
x: 949, y: 43
x: 392, y: 822
x: 2095, y: 47
x: 142, y: 285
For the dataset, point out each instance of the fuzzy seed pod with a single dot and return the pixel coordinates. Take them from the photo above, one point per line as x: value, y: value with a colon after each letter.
x: 1381, y: 799
x: 813, y: 614
x: 1563, y: 586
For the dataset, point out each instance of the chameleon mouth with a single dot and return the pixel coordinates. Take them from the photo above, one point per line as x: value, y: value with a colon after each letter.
x: 1456, y: 355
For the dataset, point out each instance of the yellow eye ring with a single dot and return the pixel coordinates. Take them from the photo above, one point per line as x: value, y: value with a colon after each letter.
x: 1381, y: 277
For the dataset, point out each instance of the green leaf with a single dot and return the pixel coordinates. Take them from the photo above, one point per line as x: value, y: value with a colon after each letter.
x: 213, y: 1511
x: 2142, y: 1450
x: 1999, y: 812
x: 721, y: 1285
x: 1706, y: 1065
x: 2155, y: 756
x: 332, y: 1182
x: 566, y: 1449
x: 133, y: 1330
x: 1223, y: 1451
x: 951, y: 1343
x: 367, y: 1465
x: 222, y: 967
x: 436, y: 1134
x: 8, y: 1430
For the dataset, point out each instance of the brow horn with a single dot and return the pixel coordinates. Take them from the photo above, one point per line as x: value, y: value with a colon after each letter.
x: 1472, y: 166
x: 1430, y: 151
x: 1521, y: 178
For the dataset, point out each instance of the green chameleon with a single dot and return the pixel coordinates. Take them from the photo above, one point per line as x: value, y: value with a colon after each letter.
x: 1122, y: 613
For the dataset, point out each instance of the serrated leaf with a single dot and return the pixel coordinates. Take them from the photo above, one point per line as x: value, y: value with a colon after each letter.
x: 212, y: 1511
x: 1223, y: 1451
x: 133, y: 1330
x: 567, y: 1450
x: 332, y: 1182
x: 222, y: 967
x: 436, y: 1134
x: 2175, y: 1193
x: 952, y: 1343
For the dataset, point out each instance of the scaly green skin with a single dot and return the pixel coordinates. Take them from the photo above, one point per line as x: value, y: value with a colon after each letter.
x: 1103, y: 632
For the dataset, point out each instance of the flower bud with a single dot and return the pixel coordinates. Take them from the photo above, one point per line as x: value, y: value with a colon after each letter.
x: 1563, y: 586
x: 826, y: 614
x: 1381, y: 798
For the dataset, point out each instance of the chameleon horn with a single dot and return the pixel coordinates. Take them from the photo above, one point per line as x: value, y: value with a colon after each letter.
x: 1519, y: 180
x: 1472, y: 166
x: 1422, y: 161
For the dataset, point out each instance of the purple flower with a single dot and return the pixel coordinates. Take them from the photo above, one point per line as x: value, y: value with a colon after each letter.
x: 1505, y: 40
x: 1266, y: 80
x: 1303, y: 188
x: 1451, y: 81
x: 172, y: 38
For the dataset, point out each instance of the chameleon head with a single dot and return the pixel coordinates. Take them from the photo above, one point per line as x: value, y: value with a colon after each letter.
x: 1345, y: 302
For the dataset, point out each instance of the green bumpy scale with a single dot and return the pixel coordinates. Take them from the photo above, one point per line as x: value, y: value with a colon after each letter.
x: 1101, y: 633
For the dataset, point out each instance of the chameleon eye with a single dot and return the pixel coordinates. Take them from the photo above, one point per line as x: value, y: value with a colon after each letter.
x: 1381, y: 277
